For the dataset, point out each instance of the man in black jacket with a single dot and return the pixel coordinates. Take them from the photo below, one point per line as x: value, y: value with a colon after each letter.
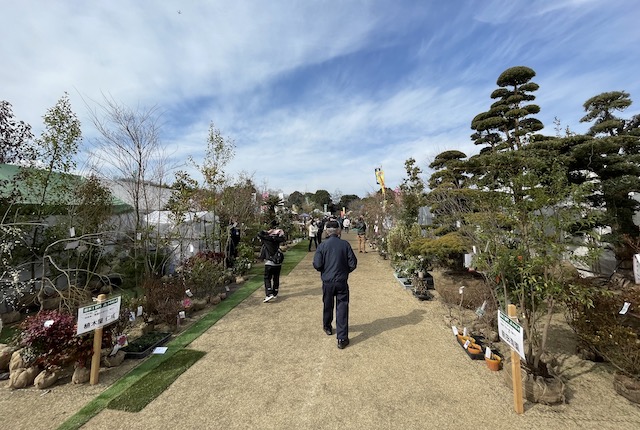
x: 335, y: 259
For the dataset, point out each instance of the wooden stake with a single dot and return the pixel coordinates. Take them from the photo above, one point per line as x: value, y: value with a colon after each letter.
x: 516, y: 375
x: 97, y: 349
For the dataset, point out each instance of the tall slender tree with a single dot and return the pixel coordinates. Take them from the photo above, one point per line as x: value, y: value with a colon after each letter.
x: 52, y: 187
x: 220, y: 151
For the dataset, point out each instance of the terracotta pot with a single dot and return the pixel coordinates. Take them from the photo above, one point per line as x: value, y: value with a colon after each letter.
x: 494, y: 363
x: 462, y: 339
x: 474, y: 348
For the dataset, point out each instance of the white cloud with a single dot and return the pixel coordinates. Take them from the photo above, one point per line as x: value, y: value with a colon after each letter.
x: 310, y: 91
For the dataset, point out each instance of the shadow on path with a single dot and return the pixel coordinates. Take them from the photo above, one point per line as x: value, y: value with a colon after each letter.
x: 381, y: 325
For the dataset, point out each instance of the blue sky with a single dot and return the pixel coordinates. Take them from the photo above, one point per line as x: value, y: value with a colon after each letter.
x: 316, y: 94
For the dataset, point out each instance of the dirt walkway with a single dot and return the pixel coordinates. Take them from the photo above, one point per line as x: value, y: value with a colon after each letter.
x: 270, y: 366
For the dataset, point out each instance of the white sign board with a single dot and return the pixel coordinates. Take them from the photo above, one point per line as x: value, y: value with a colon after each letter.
x: 511, y: 333
x: 636, y: 268
x: 98, y: 315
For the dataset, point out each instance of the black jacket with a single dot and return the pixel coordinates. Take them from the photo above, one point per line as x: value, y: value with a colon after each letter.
x: 334, y: 259
x: 270, y: 244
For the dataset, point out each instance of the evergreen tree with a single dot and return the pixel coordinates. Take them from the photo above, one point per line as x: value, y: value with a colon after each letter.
x: 611, y: 155
x: 413, y: 193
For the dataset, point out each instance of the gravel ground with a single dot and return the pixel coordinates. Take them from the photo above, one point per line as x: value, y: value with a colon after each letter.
x: 271, y: 366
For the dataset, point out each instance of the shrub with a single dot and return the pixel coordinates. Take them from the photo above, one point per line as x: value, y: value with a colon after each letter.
x: 204, y: 274
x: 163, y: 299
x: 49, y: 340
x: 445, y: 251
x: 399, y: 238
x: 604, y: 330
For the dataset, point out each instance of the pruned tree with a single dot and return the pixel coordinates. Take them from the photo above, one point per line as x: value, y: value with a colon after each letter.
x: 610, y: 157
x: 412, y: 191
x: 520, y: 208
x: 448, y: 198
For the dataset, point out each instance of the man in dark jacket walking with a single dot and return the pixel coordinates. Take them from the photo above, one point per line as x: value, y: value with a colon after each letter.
x: 271, y: 254
x: 335, y: 259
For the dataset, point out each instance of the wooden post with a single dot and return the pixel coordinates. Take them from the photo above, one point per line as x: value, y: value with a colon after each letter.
x: 97, y: 349
x: 516, y: 374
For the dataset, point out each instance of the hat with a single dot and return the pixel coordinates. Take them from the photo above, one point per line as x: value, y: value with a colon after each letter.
x: 333, y: 224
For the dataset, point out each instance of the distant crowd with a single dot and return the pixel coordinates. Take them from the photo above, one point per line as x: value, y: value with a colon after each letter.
x: 314, y: 228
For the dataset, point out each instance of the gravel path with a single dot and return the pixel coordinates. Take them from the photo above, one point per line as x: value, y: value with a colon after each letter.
x: 271, y: 366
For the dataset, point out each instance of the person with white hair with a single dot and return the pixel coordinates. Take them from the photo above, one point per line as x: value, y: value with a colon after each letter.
x: 335, y: 259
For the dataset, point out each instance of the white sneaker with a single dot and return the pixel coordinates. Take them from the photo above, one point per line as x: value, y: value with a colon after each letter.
x: 268, y: 298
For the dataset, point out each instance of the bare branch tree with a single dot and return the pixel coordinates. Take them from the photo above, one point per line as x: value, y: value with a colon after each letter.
x: 129, y: 152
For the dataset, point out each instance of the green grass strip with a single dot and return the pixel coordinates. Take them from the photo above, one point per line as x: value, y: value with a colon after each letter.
x: 150, y: 386
x: 293, y: 256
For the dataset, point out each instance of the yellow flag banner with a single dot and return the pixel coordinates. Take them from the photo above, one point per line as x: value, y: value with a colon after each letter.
x: 380, y: 179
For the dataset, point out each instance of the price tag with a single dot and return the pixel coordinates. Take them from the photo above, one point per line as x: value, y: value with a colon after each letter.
x: 182, y: 314
x: 625, y: 308
x: 465, y: 332
x: 455, y: 330
x: 188, y: 293
x: 132, y: 317
x: 487, y: 353
x: 72, y: 232
x: 139, y: 311
x: 461, y: 290
x: 467, y: 343
x: 48, y: 323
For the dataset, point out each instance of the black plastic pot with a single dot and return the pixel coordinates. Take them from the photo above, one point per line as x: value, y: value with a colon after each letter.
x: 145, y: 344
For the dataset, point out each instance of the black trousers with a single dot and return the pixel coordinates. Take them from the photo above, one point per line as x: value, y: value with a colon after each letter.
x: 336, y: 294
x: 271, y: 279
x: 314, y: 241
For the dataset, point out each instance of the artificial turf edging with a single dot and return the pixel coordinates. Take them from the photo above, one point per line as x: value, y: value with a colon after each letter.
x: 128, y: 382
x: 151, y: 385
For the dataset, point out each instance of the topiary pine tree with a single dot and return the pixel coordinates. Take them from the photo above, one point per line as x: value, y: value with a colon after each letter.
x: 612, y: 155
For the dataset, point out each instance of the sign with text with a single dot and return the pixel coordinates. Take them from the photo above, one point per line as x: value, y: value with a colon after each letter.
x: 511, y: 333
x: 98, y: 315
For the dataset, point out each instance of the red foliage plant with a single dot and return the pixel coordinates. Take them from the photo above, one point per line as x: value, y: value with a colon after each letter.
x: 49, y: 340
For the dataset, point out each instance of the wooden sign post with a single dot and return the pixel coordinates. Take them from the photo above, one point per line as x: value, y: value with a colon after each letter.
x: 97, y: 350
x: 516, y: 374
